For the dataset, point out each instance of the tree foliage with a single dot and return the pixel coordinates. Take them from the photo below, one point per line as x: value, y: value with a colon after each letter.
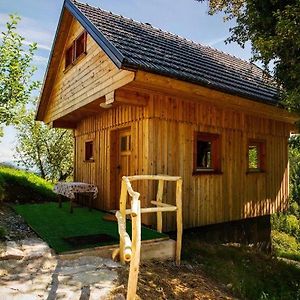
x: 273, y: 27
x: 294, y: 158
x: 48, y: 150
x: 16, y: 71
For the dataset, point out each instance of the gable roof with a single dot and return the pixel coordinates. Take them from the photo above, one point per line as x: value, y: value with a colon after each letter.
x: 138, y: 46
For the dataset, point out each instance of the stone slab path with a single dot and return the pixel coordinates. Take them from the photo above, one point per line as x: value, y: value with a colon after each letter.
x: 29, y: 271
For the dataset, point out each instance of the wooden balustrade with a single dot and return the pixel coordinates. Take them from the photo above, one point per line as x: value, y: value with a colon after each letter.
x: 131, y: 250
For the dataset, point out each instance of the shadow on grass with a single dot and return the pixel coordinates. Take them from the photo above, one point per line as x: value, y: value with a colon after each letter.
x: 248, y: 273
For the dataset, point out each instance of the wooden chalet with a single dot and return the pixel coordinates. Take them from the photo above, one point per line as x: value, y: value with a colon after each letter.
x: 144, y: 101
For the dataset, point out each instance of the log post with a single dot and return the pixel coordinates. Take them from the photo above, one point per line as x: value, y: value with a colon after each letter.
x: 136, y: 253
x: 179, y: 220
x: 159, y: 198
x: 123, y: 200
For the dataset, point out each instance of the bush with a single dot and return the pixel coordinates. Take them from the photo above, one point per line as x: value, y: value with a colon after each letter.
x: 23, y: 187
x: 2, y: 182
x: 295, y: 209
x: 286, y: 223
x: 2, y: 233
x: 285, y: 245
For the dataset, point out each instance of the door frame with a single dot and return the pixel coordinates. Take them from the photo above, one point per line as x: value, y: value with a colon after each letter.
x: 115, y: 186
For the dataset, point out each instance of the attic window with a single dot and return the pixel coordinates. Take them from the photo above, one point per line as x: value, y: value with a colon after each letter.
x: 77, y: 48
x: 207, y: 156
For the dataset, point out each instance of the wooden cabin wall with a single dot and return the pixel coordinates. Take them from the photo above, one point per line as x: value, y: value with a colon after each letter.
x: 99, y: 129
x: 216, y: 198
x: 163, y: 143
x: 91, y: 77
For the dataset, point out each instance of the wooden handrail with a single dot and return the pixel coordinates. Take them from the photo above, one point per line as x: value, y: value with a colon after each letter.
x: 130, y: 251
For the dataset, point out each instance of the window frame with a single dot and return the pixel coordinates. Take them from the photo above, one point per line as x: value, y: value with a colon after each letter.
x: 261, y: 146
x: 215, y: 140
x: 91, y: 157
x: 73, y: 46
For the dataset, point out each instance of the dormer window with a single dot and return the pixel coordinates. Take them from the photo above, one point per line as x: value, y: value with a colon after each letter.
x: 77, y: 49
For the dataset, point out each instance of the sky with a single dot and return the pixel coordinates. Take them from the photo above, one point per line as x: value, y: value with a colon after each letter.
x: 187, y: 18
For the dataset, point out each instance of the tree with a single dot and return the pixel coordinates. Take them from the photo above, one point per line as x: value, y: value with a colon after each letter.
x: 48, y: 150
x: 273, y: 27
x: 16, y: 71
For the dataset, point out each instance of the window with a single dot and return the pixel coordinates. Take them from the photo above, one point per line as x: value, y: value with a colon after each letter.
x: 77, y: 48
x: 89, y: 151
x: 125, y: 143
x: 207, y: 155
x: 69, y: 56
x: 256, y: 155
x: 80, y: 45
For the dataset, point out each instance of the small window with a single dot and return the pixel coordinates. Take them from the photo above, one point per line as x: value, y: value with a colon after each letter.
x: 89, y: 151
x: 207, y: 152
x: 69, y: 56
x: 125, y: 143
x: 80, y: 45
x: 256, y: 155
x: 77, y: 48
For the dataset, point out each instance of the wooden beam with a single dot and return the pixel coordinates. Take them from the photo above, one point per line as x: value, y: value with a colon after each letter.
x: 63, y: 124
x: 136, y: 98
x: 110, y: 98
x: 193, y: 91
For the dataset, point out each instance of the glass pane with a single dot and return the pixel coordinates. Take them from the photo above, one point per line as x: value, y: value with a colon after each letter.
x: 253, y: 157
x: 89, y: 151
x: 123, y: 143
x: 80, y: 45
x: 129, y: 142
x: 69, y: 56
x: 204, y: 154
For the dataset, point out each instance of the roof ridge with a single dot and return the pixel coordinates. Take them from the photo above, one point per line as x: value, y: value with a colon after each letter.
x: 171, y: 33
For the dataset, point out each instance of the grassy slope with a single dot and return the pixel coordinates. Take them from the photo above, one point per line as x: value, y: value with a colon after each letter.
x: 21, y: 186
x: 250, y: 275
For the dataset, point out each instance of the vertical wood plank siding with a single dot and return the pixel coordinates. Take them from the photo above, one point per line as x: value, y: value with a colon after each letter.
x: 162, y: 143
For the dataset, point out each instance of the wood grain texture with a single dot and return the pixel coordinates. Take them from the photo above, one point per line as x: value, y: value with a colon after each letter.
x: 162, y: 143
x: 163, y: 115
x: 91, y: 77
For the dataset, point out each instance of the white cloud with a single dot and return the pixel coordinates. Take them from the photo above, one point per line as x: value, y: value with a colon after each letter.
x: 216, y: 41
x: 40, y: 60
x: 40, y: 46
x: 31, y: 30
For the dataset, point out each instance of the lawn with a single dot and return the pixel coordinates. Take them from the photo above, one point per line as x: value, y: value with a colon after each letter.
x: 54, y: 225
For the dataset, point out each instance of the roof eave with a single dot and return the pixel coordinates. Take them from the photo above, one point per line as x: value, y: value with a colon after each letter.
x: 130, y: 66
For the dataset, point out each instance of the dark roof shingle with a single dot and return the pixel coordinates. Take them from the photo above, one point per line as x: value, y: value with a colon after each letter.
x: 147, y: 48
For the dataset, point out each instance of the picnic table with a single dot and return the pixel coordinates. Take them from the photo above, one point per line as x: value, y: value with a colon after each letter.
x: 71, y: 190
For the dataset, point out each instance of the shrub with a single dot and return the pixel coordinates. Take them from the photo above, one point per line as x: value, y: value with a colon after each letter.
x: 2, y: 233
x: 285, y: 245
x: 23, y: 187
x: 295, y: 209
x: 2, y: 183
x: 286, y: 223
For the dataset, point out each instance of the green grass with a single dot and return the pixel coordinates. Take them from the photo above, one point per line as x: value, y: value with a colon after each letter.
x: 249, y: 274
x: 23, y: 187
x: 285, y: 245
x: 52, y: 224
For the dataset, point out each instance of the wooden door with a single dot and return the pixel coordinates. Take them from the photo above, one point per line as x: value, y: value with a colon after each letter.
x: 122, y: 161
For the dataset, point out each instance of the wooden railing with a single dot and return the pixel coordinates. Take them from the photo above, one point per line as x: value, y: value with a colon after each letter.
x: 130, y: 251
